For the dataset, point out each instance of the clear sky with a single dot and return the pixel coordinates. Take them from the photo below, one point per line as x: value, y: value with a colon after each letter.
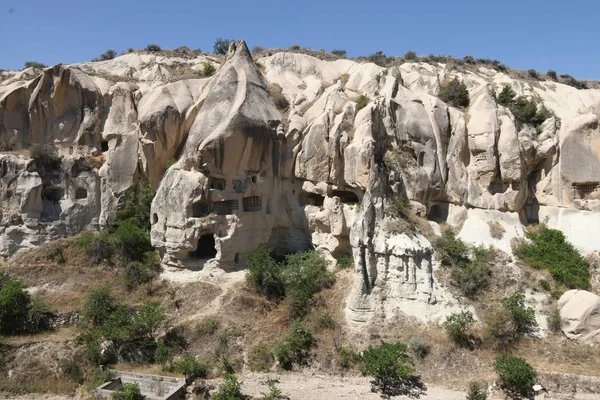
x: 539, y: 34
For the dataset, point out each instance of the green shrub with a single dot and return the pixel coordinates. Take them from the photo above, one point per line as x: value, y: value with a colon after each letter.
x: 191, y: 367
x: 137, y: 205
x: 148, y: 320
x: 153, y: 47
x: 221, y: 46
x: 549, y: 249
x: 451, y: 251
x: 516, y: 376
x: 264, y: 274
x: 344, y: 261
x: 163, y: 354
x: 34, y: 64
x: 506, y: 96
x: 523, y: 317
x: 410, y: 55
x: 72, y: 368
x: 295, y: 348
x: 362, y: 102
x: 401, y: 205
x: 131, y: 240
x: 230, y: 389
x: 552, y: 75
x: 276, y: 92
x: 379, y: 58
x: 170, y: 162
x: 547, y: 286
x: 107, y: 55
x: 56, y: 254
x: 419, y: 348
x: 208, y: 68
x: 99, y: 305
x: 339, y: 53
x: 474, y: 278
x: 260, y: 359
x: 305, y: 274
x: 569, y: 80
x: 38, y: 315
x: 533, y: 73
x: 207, y: 327
x: 274, y: 391
x: 14, y: 305
x: 476, y: 391
x: 347, y: 358
x: 129, y: 391
x: 138, y: 273
x: 554, y: 321
x: 454, y: 93
x: 392, y: 370
x: 46, y: 158
x: 458, y: 326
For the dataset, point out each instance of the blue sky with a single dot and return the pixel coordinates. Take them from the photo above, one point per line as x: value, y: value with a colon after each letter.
x: 524, y: 34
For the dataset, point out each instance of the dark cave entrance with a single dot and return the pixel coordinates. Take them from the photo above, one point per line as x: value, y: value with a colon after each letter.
x: 205, y: 249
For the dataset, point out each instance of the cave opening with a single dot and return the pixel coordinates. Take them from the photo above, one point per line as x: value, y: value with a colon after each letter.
x: 346, y: 197
x: 104, y: 146
x: 80, y: 193
x: 205, y: 248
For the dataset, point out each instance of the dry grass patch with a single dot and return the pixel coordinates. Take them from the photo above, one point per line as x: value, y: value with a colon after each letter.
x: 496, y: 230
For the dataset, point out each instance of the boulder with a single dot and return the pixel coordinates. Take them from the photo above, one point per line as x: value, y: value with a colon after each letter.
x: 580, y: 314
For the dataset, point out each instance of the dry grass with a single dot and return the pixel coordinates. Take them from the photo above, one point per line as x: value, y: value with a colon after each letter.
x: 496, y: 230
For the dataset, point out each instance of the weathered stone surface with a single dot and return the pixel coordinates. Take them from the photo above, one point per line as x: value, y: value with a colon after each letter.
x: 580, y: 314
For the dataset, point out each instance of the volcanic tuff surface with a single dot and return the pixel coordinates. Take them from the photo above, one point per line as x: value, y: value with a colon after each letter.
x: 321, y: 174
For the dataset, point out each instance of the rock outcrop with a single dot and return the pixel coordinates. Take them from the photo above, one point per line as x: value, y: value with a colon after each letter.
x: 580, y: 315
x: 233, y: 171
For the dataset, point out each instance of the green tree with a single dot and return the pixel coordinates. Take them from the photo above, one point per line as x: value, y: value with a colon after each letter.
x: 221, y: 46
x: 392, y: 370
x: 149, y: 319
x: 34, y: 64
x: 98, y: 306
x: 295, y: 348
x: 129, y: 391
x: 454, y: 93
x: 163, y: 354
x: 230, y: 389
x: 458, y: 326
x: 523, y: 317
x: 38, y: 315
x: 362, y: 102
x: 153, y: 47
x: 410, y: 55
x: 137, y: 205
x: 191, y: 367
x: 516, y: 376
x: 264, y: 274
x: 305, y: 274
x: 451, y: 251
x: 507, y: 96
x: 14, y: 305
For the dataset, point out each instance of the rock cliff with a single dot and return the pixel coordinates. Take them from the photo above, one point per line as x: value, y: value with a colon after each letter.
x: 232, y: 171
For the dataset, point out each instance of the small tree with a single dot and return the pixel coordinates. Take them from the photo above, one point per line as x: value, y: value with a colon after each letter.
x: 392, y: 370
x: 221, y: 46
x: 454, y: 93
x: 14, y: 305
x: 295, y: 348
x: 107, y: 55
x: 507, y: 96
x: 208, y: 68
x: 129, y: 391
x: 410, y: 55
x: 264, y: 275
x: 362, y: 102
x: 339, y: 52
x: 230, y: 389
x: 191, y: 367
x: 476, y: 391
x: 34, y: 64
x: 516, y: 376
x: 153, y: 47
x: 149, y: 319
x: 458, y: 326
x: 163, y: 354
x: 552, y: 75
x: 523, y: 317
x: 99, y: 305
x: 451, y: 251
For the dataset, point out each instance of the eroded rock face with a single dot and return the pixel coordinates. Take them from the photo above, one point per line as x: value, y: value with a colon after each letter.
x: 580, y: 314
x: 233, y: 172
